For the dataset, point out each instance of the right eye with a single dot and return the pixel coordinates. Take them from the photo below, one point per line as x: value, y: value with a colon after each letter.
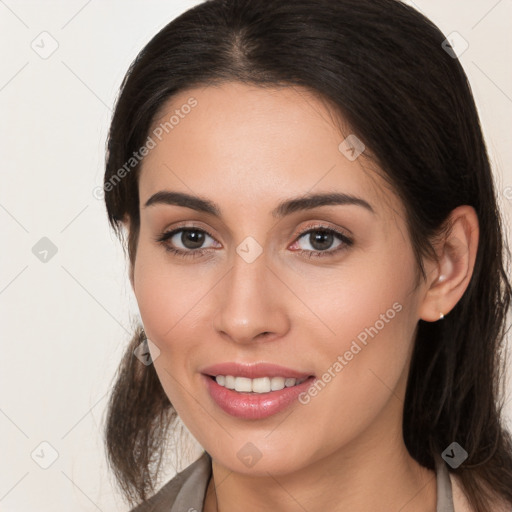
x: 185, y: 241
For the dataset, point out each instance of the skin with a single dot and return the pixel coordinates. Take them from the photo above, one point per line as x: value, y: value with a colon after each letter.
x: 247, y: 148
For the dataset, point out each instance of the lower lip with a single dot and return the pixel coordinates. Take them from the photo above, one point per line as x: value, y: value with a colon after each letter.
x: 254, y: 406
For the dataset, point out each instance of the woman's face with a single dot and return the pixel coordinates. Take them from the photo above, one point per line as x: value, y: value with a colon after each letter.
x: 270, y: 286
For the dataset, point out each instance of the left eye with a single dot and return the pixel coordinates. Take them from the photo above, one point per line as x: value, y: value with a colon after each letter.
x: 321, y: 240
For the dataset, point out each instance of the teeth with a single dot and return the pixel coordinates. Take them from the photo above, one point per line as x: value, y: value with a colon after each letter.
x: 259, y: 385
x: 230, y: 382
x: 277, y: 383
x: 243, y: 384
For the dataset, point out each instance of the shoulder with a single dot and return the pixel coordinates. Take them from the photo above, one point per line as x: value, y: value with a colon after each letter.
x: 461, y: 503
x: 188, y: 486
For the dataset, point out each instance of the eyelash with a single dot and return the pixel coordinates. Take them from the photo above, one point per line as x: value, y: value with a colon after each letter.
x: 195, y: 253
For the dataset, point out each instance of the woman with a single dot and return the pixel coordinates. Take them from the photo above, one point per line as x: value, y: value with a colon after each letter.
x: 316, y: 252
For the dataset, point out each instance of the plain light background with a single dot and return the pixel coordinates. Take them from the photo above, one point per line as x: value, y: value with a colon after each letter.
x: 65, y: 321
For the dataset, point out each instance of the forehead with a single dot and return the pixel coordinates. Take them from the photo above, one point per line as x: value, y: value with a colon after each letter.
x: 245, y: 143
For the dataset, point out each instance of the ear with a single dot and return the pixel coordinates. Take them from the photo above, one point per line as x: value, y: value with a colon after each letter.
x: 449, y: 276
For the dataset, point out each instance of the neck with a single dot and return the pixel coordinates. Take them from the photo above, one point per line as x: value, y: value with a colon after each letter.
x: 375, y: 473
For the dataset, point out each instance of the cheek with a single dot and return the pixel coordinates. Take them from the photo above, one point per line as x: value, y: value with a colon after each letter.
x: 372, y: 311
x: 372, y: 316
x: 171, y: 301
x: 163, y: 307
x: 370, y: 297
x: 165, y: 293
x: 369, y: 306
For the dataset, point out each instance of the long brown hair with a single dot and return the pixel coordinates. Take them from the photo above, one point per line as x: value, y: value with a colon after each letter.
x: 385, y: 68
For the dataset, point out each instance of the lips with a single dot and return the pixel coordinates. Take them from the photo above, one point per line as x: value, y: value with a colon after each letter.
x: 228, y: 385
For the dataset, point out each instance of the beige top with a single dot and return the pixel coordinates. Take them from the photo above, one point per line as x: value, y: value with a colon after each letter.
x: 186, y: 491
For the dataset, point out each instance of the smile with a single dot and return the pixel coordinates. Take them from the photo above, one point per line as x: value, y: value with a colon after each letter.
x: 259, y: 385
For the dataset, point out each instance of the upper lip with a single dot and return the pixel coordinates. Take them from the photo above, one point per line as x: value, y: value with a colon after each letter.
x: 253, y: 371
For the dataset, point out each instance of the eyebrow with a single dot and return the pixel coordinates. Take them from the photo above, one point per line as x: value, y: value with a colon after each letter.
x: 284, y: 208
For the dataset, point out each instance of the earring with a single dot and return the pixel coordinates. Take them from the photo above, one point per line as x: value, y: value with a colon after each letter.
x: 441, y: 316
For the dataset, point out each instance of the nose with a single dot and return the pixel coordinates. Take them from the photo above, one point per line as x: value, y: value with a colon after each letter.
x: 252, y: 303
